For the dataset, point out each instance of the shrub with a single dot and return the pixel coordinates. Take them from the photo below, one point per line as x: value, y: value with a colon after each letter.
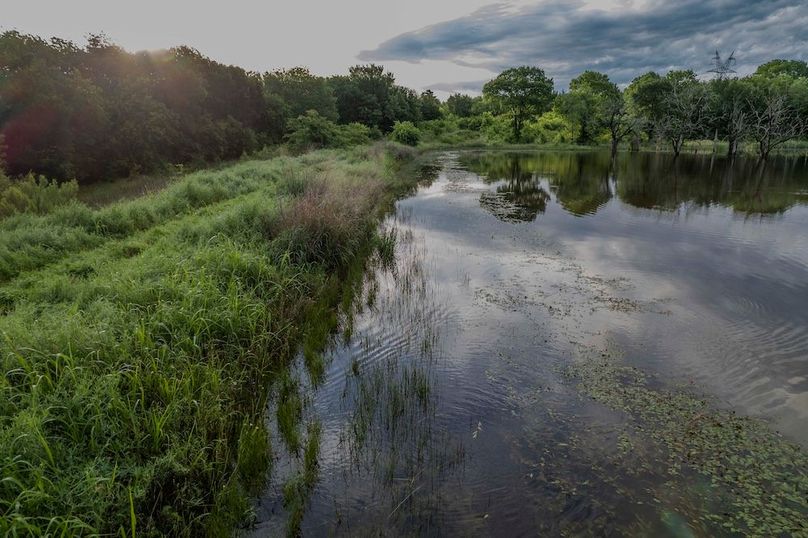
x: 311, y: 131
x: 406, y: 132
x: 353, y: 134
x: 34, y: 194
x: 550, y: 128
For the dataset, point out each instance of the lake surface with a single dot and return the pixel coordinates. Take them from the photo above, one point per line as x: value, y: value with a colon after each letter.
x: 444, y: 408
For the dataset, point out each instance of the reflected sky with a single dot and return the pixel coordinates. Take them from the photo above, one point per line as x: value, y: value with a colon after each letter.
x: 445, y: 411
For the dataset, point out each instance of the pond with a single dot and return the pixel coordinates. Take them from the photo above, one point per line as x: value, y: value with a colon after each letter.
x: 457, y: 399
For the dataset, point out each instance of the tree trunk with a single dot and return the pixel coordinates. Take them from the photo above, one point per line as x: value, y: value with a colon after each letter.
x: 732, y: 150
x: 677, y: 146
x: 615, y: 144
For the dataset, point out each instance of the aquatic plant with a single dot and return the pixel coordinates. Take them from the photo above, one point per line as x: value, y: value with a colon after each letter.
x: 758, y: 481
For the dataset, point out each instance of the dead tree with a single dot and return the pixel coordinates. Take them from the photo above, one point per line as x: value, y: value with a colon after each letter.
x: 737, y: 127
x: 684, y: 119
x: 773, y: 122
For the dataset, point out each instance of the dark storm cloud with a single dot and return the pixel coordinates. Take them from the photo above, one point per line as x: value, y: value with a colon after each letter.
x: 567, y: 37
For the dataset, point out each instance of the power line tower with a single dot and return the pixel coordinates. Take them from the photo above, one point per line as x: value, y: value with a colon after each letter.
x: 723, y: 68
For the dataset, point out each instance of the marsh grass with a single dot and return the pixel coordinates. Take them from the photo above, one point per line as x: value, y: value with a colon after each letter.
x: 297, y: 489
x: 138, y: 341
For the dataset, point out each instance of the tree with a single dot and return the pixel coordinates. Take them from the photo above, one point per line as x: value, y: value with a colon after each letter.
x: 727, y: 111
x: 296, y: 90
x: 98, y: 112
x: 579, y: 108
x: 775, y: 68
x: 430, y: 106
x: 460, y: 105
x: 405, y: 105
x: 364, y: 96
x: 405, y: 132
x: 646, y: 97
x: 773, y: 122
x: 523, y: 91
x: 596, y: 83
x: 685, y: 114
x: 594, y: 103
x: 616, y: 119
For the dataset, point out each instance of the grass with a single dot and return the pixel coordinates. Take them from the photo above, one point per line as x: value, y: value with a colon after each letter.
x: 297, y: 489
x: 139, y: 340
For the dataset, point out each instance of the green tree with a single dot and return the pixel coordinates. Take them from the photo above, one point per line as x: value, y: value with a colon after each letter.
x: 364, y: 96
x: 405, y: 105
x: 646, y: 96
x: 775, y: 68
x: 430, y: 106
x: 460, y: 105
x: 594, y: 104
x: 523, y: 91
x: 295, y: 91
x: 727, y: 111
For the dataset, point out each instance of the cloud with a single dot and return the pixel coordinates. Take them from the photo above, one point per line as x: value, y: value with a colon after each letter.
x: 467, y: 86
x: 567, y: 37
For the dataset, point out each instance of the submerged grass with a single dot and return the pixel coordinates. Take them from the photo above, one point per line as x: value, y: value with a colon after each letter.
x: 138, y: 340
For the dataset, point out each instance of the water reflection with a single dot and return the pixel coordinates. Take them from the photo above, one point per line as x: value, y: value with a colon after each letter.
x: 582, y: 183
x: 445, y: 407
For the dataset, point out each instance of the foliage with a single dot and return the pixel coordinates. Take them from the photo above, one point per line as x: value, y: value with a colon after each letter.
x: 313, y: 131
x: 430, y: 106
x: 523, y: 91
x: 295, y: 91
x: 776, y: 68
x: 460, y: 105
x: 98, y: 111
x: 366, y: 96
x: 406, y: 132
x: 34, y: 194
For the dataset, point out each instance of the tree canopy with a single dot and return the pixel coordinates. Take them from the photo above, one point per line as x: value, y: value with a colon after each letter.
x: 523, y: 91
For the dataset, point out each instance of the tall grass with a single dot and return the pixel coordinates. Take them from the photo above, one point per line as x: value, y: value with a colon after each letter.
x: 138, y: 341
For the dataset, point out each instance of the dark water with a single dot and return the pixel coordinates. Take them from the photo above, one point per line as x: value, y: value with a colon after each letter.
x: 443, y: 409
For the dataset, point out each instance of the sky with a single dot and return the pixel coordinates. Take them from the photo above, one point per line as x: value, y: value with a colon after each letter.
x: 444, y: 45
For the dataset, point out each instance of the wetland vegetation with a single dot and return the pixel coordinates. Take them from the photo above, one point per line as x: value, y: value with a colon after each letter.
x: 239, y: 302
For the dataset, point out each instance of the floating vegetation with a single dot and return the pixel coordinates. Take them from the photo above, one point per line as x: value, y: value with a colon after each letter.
x: 754, y: 481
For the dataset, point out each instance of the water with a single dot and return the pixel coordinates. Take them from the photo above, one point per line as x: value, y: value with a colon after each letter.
x: 445, y: 410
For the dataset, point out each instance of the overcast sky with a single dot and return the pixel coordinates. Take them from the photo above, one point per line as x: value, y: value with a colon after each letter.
x: 446, y: 45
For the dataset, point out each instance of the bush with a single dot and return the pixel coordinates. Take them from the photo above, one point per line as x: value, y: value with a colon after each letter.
x: 405, y: 132
x: 353, y: 134
x: 550, y: 128
x: 313, y: 131
x: 34, y: 194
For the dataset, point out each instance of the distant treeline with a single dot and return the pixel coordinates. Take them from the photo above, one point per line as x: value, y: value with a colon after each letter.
x: 98, y: 112
x: 767, y: 108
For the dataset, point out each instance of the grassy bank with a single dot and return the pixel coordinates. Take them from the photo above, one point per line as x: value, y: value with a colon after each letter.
x: 138, y: 340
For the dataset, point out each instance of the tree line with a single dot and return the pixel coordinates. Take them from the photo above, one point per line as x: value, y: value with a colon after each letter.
x: 96, y: 111
x: 768, y: 108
